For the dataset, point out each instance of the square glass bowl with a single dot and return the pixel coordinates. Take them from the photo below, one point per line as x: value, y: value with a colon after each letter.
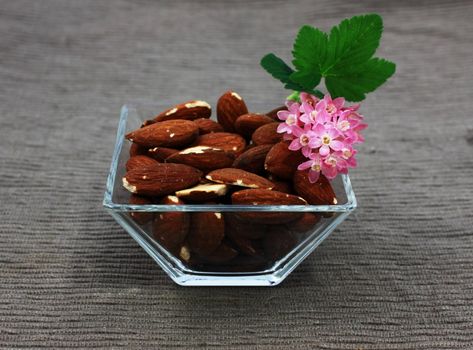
x: 262, y: 244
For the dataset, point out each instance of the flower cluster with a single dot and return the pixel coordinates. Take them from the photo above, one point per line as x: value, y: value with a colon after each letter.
x: 325, y: 131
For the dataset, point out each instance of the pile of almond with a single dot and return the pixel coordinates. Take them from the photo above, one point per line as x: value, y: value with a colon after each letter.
x: 183, y: 157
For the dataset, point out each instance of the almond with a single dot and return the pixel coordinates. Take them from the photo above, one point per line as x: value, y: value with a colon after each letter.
x: 229, y: 142
x: 267, y: 134
x: 281, y: 185
x: 139, y: 162
x: 171, y: 228
x: 206, y: 126
x: 139, y: 216
x: 238, y: 177
x: 170, y: 133
x: 305, y: 223
x: 161, y: 153
x: 229, y: 107
x: 203, y: 192
x: 161, y: 179
x: 204, y: 158
x: 283, y: 162
x: 189, y: 110
x: 222, y: 254
x: 273, y: 114
x: 246, y: 124
x: 267, y: 197
x: 246, y: 246
x: 319, y: 193
x: 236, y: 227
x: 278, y: 242
x: 207, y: 232
x: 147, y: 122
x: 137, y: 150
x: 252, y: 159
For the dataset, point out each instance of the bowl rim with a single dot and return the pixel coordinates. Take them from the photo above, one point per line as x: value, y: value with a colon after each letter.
x: 109, y: 204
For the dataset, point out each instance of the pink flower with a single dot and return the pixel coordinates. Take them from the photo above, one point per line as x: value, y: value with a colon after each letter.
x: 324, y: 131
x: 327, y: 107
x: 326, y: 139
x: 304, y: 139
x: 290, y: 118
x: 314, y: 164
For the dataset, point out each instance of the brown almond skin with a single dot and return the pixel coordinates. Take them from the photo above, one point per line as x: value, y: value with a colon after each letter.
x: 246, y: 124
x: 171, y: 228
x: 222, y: 254
x: 267, y: 197
x: 139, y: 216
x: 238, y: 177
x: 229, y: 142
x: 253, y: 159
x: 319, y: 193
x: 207, y: 160
x: 139, y: 162
x: 181, y: 111
x: 278, y: 242
x: 235, y: 227
x: 147, y: 122
x: 267, y: 134
x: 137, y: 150
x: 283, y: 162
x: 161, y: 153
x: 229, y: 107
x: 207, y: 232
x: 170, y: 133
x: 161, y: 179
x: 273, y: 114
x: 207, y: 126
x: 305, y: 223
x: 281, y: 185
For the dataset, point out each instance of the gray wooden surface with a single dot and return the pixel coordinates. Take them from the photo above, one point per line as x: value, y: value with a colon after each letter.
x: 397, y: 275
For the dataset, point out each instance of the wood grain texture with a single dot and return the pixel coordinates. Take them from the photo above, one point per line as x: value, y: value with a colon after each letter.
x: 397, y: 275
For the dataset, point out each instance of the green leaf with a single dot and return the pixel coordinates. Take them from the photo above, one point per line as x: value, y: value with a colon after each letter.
x: 309, y: 54
x: 276, y: 67
x: 352, y: 42
x: 359, y: 80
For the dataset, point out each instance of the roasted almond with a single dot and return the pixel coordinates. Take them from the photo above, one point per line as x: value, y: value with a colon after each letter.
x: 252, y: 159
x: 189, y: 110
x: 222, y: 254
x: 229, y: 107
x: 305, y: 223
x: 207, y: 232
x: 238, y: 177
x: 139, y: 216
x: 170, y: 133
x: 161, y: 153
x: 237, y: 227
x: 204, y: 158
x: 246, y: 124
x: 229, y: 142
x: 170, y: 228
x: 267, y: 134
x: 281, y: 185
x: 273, y: 114
x: 206, y: 126
x: 319, y: 193
x: 139, y: 162
x: 203, y: 192
x: 283, y: 162
x: 267, y: 197
x: 278, y: 242
x: 161, y: 179
x: 137, y: 150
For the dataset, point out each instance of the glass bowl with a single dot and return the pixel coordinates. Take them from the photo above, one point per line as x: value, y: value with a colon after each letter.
x: 262, y: 244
